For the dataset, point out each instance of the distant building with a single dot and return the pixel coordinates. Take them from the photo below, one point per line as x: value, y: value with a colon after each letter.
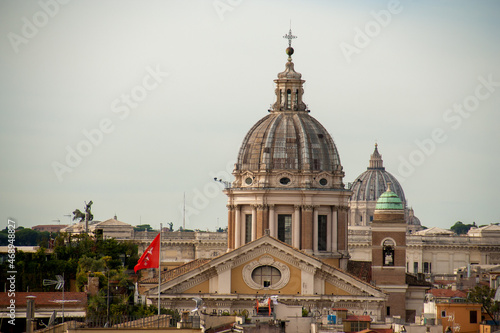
x: 368, y: 187
x: 450, y: 309
x: 111, y: 228
x: 49, y: 227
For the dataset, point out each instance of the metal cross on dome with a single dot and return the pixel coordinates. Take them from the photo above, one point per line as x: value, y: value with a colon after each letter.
x: 289, y: 36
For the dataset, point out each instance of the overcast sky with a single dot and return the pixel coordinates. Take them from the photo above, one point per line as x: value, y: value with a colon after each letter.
x: 131, y: 104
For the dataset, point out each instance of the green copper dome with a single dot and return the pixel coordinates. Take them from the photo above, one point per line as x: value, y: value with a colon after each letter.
x: 389, y: 201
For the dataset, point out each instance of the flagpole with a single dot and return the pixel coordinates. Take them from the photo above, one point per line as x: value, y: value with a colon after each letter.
x: 159, y: 275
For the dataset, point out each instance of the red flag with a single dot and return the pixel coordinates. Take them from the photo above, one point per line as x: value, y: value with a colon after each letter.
x: 151, y: 257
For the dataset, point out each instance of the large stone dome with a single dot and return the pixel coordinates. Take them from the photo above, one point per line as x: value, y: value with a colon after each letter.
x: 372, y: 183
x: 368, y: 187
x: 288, y: 147
x: 292, y: 141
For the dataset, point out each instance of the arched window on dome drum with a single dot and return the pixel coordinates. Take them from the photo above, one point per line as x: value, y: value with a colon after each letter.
x: 388, y: 252
x: 297, y: 97
x: 289, y: 99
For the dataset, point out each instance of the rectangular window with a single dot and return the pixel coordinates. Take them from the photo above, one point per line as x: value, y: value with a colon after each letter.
x: 388, y: 311
x: 322, y: 232
x: 415, y: 267
x: 285, y: 228
x: 360, y: 218
x: 473, y: 317
x: 248, y: 228
x: 357, y: 326
x: 443, y: 313
x: 371, y: 218
x: 426, y: 267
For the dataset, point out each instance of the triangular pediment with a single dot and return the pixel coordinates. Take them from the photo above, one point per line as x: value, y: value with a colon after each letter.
x: 296, y: 270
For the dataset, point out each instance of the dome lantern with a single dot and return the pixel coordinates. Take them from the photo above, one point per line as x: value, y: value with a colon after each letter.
x: 289, y: 83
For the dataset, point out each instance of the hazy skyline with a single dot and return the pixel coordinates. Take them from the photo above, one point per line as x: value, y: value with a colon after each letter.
x: 132, y: 104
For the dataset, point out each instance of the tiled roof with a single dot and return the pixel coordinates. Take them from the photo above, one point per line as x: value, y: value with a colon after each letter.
x: 444, y: 282
x: 358, y: 318
x: 447, y: 293
x: 377, y: 330
x: 46, y: 299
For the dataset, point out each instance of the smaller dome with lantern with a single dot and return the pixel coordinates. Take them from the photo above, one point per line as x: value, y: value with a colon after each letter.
x: 389, y: 200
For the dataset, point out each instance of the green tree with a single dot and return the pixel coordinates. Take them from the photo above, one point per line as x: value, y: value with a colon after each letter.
x: 460, y: 228
x: 143, y: 227
x: 485, y: 296
x: 96, y: 307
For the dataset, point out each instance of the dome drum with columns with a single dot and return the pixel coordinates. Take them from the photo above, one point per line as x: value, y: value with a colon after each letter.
x: 288, y: 179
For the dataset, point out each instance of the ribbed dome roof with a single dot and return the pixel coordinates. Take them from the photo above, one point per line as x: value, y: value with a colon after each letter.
x: 292, y: 141
x: 389, y: 201
x: 372, y: 183
x: 289, y: 139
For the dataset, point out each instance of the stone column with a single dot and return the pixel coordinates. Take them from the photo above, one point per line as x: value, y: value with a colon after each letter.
x: 329, y: 232
x: 261, y: 220
x: 315, y: 229
x: 230, y: 227
x: 254, y: 222
x: 306, y: 228
x: 296, y: 228
x: 237, y: 226
x: 272, y: 223
x: 335, y: 245
x: 342, y: 228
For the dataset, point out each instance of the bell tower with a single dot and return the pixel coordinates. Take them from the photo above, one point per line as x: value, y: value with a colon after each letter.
x: 389, y: 251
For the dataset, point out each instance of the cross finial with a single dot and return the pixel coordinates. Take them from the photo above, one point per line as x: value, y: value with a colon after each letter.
x: 289, y: 36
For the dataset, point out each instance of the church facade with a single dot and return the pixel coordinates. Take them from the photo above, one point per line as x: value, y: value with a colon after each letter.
x: 287, y: 223
x: 236, y: 280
